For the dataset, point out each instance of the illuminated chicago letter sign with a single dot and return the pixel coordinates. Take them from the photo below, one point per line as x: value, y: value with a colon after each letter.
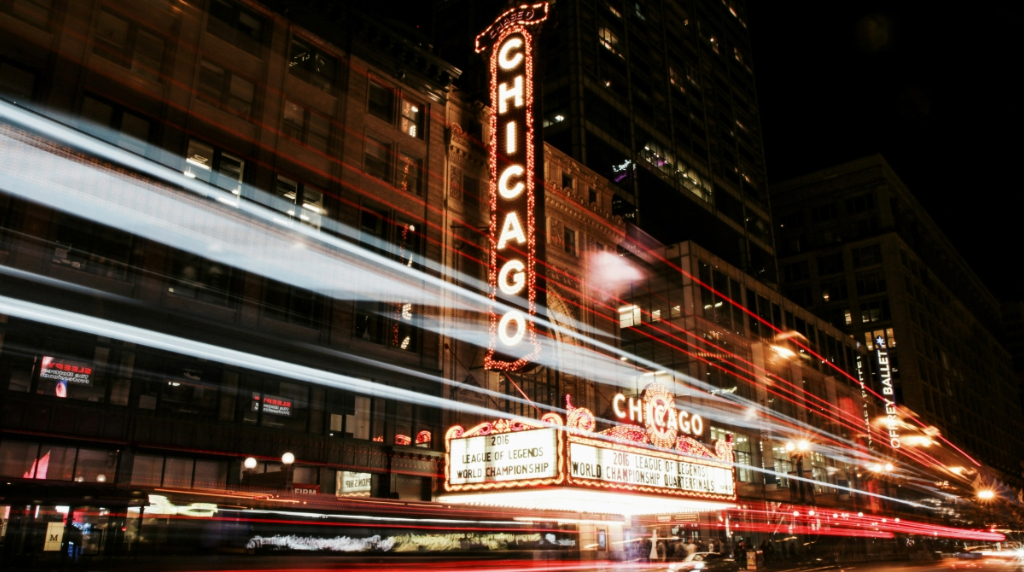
x: 514, y: 196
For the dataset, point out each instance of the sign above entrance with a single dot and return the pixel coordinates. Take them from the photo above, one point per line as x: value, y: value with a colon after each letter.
x: 514, y: 195
x: 525, y: 454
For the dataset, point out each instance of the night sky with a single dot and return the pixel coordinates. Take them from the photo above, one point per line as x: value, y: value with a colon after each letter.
x: 929, y: 86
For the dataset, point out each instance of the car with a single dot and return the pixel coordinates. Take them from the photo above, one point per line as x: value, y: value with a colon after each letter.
x: 703, y: 561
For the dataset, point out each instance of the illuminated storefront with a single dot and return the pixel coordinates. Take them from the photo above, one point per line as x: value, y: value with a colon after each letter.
x: 566, y: 465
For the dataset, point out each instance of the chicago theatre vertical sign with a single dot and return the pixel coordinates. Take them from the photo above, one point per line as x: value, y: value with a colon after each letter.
x: 515, y: 197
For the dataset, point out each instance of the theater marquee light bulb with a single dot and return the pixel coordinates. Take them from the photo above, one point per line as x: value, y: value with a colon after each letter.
x: 514, y: 269
x: 513, y: 316
x: 506, y: 62
x: 503, y: 182
x: 512, y: 161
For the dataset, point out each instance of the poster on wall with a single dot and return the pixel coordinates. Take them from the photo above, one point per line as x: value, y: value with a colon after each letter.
x: 351, y: 484
x: 62, y: 373
x: 272, y: 404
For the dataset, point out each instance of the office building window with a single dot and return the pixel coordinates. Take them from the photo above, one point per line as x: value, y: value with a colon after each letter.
x: 284, y: 404
x: 115, y: 124
x: 189, y: 388
x: 741, y: 448
x: 293, y: 304
x: 305, y: 126
x: 298, y: 200
x: 221, y: 168
x: 180, y: 472
x: 312, y: 65
x: 868, y: 284
x: 407, y: 240
x: 367, y: 419
x: 796, y: 271
x: 126, y: 44
x: 32, y: 460
x: 874, y: 311
x: 834, y: 291
x: 824, y: 213
x: 830, y: 264
x: 378, y: 159
x: 369, y: 322
x: 470, y: 188
x: 410, y: 174
x: 236, y: 25
x: 569, y: 237
x: 85, y: 245
x: 609, y: 40
x: 568, y: 182
x: 860, y: 203
x: 225, y: 89
x: 867, y: 256
x: 412, y: 119
x: 382, y: 102
x: 35, y: 12
x: 16, y: 82
x: 629, y: 316
x: 200, y: 278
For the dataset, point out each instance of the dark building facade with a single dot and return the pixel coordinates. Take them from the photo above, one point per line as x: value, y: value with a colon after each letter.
x: 857, y: 249
x: 334, y: 130
x: 658, y: 97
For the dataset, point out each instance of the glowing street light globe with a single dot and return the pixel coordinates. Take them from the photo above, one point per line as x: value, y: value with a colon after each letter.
x: 287, y: 458
x: 249, y: 463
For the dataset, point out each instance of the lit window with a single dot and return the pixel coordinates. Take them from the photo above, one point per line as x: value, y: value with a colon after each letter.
x: 847, y: 317
x: 614, y: 11
x: 312, y: 65
x: 410, y: 174
x: 609, y: 40
x: 214, y: 166
x: 412, y: 119
x: 656, y: 316
x: 629, y: 316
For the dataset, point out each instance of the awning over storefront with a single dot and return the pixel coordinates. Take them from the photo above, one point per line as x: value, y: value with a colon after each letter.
x: 569, y: 499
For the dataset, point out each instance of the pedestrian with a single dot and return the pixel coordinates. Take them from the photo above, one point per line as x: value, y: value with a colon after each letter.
x: 690, y: 547
x: 741, y: 555
x: 768, y: 550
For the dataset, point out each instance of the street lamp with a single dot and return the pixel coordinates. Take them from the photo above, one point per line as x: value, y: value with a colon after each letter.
x: 249, y: 463
x: 798, y: 450
x: 287, y: 459
x: 986, y: 494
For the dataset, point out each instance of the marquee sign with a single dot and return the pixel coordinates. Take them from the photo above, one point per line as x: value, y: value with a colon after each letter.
x: 525, y: 454
x: 514, y: 196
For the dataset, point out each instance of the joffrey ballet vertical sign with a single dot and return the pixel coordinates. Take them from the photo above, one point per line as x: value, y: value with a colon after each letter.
x: 515, y: 198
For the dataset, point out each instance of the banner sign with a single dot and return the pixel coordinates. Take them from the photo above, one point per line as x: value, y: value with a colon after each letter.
x: 525, y: 455
x: 607, y: 465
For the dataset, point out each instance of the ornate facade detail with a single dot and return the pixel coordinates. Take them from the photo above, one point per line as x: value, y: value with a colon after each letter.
x: 455, y: 185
